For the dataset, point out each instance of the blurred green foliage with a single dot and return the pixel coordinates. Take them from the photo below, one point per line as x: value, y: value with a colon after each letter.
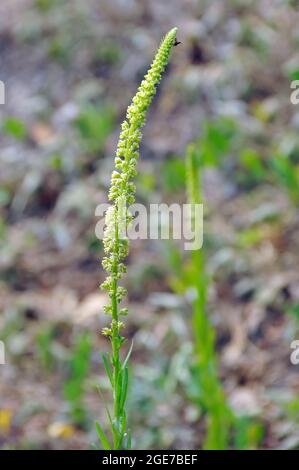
x: 215, y: 140
x: 78, y: 370
x: 46, y: 5
x: 252, y: 170
x: 14, y: 127
x: 293, y: 310
x: 5, y: 196
x: 287, y: 174
x: 94, y: 125
x: 249, y: 433
x: 173, y: 174
x: 44, y: 342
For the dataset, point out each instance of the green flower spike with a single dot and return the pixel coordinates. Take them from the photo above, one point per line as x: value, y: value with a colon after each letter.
x: 122, y: 194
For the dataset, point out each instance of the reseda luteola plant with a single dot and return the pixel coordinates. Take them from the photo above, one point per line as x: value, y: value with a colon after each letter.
x: 210, y: 391
x: 122, y: 194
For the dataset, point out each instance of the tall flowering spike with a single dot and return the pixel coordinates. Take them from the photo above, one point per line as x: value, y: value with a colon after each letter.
x: 130, y: 136
x: 122, y: 194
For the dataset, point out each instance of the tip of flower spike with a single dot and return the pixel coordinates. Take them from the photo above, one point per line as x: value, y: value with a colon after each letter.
x: 171, y: 37
x: 172, y: 32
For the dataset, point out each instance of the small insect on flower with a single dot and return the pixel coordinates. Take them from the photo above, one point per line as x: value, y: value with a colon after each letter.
x: 176, y: 42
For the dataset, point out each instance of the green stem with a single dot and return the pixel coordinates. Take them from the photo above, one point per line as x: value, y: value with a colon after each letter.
x: 115, y: 334
x: 204, y: 335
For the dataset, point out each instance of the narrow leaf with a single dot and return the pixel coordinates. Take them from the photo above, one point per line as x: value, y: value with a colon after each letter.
x: 124, y: 388
x: 107, y: 368
x: 128, y: 356
x: 103, y: 437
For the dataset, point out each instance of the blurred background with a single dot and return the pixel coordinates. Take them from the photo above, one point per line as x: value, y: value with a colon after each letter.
x: 70, y: 68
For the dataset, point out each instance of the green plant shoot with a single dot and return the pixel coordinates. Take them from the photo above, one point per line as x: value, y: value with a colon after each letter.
x: 122, y: 194
x: 211, y: 395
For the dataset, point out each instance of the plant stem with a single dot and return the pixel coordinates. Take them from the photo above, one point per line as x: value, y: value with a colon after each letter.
x: 212, y: 395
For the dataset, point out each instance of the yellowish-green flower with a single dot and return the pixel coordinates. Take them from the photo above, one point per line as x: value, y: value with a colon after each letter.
x: 122, y: 194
